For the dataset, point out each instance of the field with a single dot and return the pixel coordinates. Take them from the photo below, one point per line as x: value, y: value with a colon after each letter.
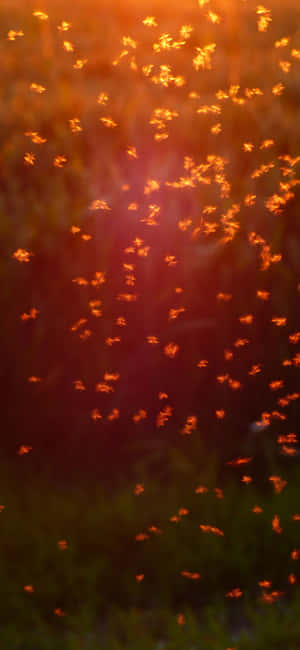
x: 150, y: 287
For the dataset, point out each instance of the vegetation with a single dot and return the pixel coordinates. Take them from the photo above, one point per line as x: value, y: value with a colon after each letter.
x: 150, y: 286
x: 71, y: 565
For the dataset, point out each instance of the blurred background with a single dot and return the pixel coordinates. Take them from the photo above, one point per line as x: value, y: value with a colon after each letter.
x: 83, y: 69
x: 149, y: 175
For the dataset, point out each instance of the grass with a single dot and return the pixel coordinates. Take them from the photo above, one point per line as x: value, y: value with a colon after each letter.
x: 93, y: 580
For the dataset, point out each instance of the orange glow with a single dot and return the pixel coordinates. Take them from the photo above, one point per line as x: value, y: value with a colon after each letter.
x: 295, y: 554
x: 140, y: 537
x: 203, y: 363
x: 162, y: 151
x: 41, y: 15
x: 234, y: 593
x: 62, y: 544
x: 192, y: 576
x: 276, y: 524
x: 139, y: 577
x: 171, y: 350
x: 96, y: 415
x: 32, y: 314
x: 150, y: 21
x: 139, y: 489
x: 140, y: 415
x: 264, y: 18
x: 59, y: 161
x: 246, y: 479
x: 22, y: 255
x: 114, y: 415
x: 278, y: 483
x: 59, y: 612
x: 12, y: 34
x: 181, y: 619
x: 37, y: 88
x: 108, y: 122
x: 24, y: 449
x: 163, y: 416
x: 240, y: 461
x: 211, y: 529
x: 201, y: 489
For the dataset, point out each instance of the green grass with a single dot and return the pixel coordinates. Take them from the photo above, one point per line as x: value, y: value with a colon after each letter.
x: 93, y: 580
